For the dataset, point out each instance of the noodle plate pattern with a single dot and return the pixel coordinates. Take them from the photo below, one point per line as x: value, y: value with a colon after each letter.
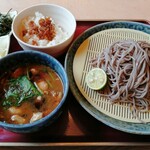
x: 79, y: 88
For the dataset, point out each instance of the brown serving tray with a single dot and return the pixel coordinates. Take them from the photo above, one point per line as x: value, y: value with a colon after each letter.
x: 75, y: 127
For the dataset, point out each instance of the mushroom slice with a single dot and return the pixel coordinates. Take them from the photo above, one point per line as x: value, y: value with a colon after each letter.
x: 18, y: 119
x: 14, y: 110
x: 36, y: 116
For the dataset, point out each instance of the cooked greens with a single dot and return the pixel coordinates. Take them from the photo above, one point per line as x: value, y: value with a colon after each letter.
x: 19, y: 90
x: 5, y: 23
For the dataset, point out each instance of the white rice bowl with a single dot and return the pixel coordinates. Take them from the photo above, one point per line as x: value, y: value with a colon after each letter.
x: 65, y: 26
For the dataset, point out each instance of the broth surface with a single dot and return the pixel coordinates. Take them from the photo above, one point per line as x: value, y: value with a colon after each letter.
x: 29, y: 93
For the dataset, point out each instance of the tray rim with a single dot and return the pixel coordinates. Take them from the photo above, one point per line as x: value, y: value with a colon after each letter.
x: 132, y: 128
x: 71, y: 144
x: 6, y: 145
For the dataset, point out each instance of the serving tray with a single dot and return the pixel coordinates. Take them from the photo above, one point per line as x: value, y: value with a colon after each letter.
x: 75, y: 126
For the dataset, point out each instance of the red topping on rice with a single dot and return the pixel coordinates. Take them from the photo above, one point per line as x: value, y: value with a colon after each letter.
x: 45, y: 30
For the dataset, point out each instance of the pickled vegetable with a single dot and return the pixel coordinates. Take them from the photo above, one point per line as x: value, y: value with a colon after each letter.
x: 5, y: 23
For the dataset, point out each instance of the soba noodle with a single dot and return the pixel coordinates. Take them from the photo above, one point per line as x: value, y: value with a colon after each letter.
x: 127, y: 64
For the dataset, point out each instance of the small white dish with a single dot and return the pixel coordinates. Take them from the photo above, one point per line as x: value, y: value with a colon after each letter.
x: 5, y: 40
x: 4, y: 45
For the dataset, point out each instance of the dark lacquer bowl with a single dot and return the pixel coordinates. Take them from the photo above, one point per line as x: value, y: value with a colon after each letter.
x: 22, y: 57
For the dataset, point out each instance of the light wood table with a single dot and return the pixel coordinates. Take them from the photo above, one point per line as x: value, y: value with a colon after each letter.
x: 100, y: 10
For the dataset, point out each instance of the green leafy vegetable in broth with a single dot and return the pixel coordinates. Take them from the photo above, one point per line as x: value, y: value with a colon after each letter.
x: 5, y: 23
x: 19, y: 90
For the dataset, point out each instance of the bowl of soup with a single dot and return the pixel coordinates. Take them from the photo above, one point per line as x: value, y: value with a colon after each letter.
x: 48, y: 28
x: 34, y: 86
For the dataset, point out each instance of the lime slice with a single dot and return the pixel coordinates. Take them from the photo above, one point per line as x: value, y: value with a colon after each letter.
x: 96, y: 79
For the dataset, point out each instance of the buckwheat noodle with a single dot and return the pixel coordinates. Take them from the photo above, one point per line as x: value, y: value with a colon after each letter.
x: 127, y: 64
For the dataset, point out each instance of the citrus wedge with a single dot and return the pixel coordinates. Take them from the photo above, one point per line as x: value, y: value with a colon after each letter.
x: 96, y: 79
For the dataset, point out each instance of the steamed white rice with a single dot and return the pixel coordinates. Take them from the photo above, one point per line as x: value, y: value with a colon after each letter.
x: 60, y: 36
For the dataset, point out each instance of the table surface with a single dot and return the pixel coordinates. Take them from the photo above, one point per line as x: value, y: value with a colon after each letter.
x: 91, y: 10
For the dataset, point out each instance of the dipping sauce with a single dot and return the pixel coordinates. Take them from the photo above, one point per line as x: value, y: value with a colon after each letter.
x: 29, y: 93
